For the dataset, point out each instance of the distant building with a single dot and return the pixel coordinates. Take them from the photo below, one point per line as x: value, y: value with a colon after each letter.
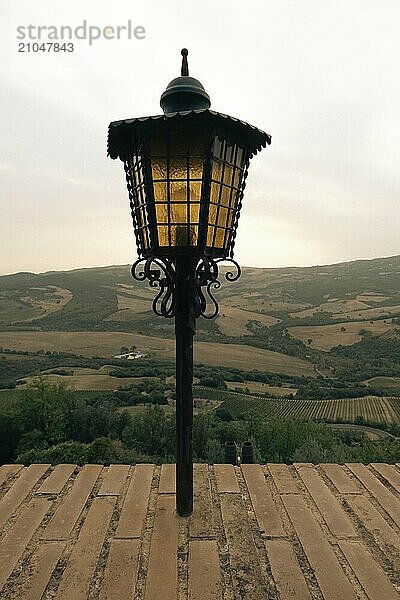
x: 131, y: 355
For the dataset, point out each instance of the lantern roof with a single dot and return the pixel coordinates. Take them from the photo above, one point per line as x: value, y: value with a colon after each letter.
x: 185, y: 100
x: 120, y: 132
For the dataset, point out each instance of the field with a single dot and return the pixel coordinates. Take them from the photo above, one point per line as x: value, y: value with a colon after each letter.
x: 90, y: 379
x: 257, y: 387
x: 263, y: 303
x: 326, y: 337
x: 35, y: 303
x: 333, y: 306
x: 129, y: 306
x: 232, y: 321
x: 200, y: 406
x: 372, y: 297
x: 384, y: 383
x: 108, y: 344
x: 141, y: 408
x: 370, y: 313
x: 372, y: 408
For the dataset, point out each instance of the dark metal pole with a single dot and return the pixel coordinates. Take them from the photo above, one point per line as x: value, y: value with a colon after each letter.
x: 185, y: 328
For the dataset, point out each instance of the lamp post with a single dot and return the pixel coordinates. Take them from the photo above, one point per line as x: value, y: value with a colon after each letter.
x: 185, y: 172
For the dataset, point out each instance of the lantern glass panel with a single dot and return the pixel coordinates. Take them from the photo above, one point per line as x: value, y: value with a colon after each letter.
x: 228, y: 161
x: 195, y: 191
x: 139, y: 211
x: 177, y: 179
x: 159, y: 169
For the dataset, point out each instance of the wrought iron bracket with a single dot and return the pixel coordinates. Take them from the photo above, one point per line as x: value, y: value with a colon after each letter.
x: 161, y: 274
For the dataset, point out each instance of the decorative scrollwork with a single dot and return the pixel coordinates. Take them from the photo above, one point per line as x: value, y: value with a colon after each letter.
x: 161, y: 273
x: 163, y: 278
x: 206, y: 280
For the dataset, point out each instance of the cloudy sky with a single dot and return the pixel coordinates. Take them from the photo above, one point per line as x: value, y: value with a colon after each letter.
x: 321, y: 76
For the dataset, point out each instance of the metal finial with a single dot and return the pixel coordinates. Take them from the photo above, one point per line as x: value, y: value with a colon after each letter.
x: 185, y: 66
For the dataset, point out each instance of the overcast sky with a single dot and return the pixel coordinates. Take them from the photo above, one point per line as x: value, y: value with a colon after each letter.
x: 321, y: 76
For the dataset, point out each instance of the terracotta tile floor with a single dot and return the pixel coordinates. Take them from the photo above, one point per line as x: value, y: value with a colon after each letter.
x: 257, y: 532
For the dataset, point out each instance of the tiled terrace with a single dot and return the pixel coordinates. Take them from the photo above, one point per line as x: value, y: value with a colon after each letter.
x: 257, y: 532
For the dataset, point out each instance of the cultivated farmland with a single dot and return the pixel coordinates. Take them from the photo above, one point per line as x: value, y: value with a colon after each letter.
x: 108, y: 344
x: 372, y: 408
x: 90, y: 379
x: 326, y: 337
x: 232, y: 321
x: 257, y: 387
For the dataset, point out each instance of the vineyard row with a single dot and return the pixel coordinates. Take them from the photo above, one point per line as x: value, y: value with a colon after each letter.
x: 372, y: 408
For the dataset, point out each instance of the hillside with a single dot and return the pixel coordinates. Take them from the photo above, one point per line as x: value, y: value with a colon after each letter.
x: 107, y: 298
x: 338, y: 322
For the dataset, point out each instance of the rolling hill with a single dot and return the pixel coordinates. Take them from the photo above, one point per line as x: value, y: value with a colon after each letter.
x: 315, y: 321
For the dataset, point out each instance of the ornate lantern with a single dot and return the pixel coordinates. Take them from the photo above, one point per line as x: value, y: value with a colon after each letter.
x: 186, y: 173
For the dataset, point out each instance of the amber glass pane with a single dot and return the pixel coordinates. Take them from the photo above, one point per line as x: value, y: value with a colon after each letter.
x: 194, y: 213
x: 163, y: 235
x: 184, y: 235
x: 215, y: 187
x: 236, y: 178
x: 222, y: 217
x: 217, y: 170
x: 225, y: 195
x: 195, y: 190
x: 230, y: 219
x: 212, y: 215
x: 233, y: 198
x: 162, y: 213
x: 194, y: 235
x: 160, y: 191
x: 178, y: 213
x: 178, y: 191
x: 210, y: 235
x: 219, y: 238
x: 178, y: 168
x: 159, y: 168
x: 228, y: 173
x: 196, y: 168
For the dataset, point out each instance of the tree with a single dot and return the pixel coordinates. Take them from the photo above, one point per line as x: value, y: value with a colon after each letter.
x: 43, y: 408
x: 311, y: 452
x: 215, y: 382
x: 157, y: 397
x: 223, y: 414
x: 9, y: 435
x: 202, y: 431
x: 101, y: 451
x: 214, y: 453
x: 152, y: 433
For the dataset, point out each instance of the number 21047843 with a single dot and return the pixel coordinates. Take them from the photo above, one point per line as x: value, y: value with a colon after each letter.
x: 45, y: 47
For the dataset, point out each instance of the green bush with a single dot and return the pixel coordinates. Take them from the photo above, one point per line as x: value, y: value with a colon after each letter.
x: 100, y: 451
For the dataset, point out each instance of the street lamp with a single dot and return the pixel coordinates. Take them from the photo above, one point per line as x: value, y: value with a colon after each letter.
x: 185, y: 172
